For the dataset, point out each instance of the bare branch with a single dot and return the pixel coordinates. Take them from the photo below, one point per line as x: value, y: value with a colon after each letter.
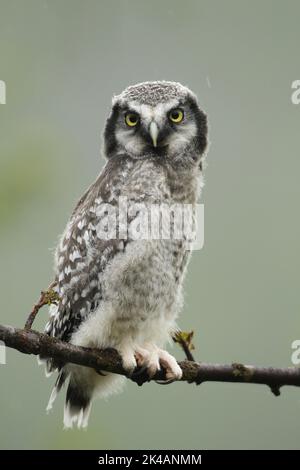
x: 33, y: 342
x: 47, y: 297
x: 184, y: 339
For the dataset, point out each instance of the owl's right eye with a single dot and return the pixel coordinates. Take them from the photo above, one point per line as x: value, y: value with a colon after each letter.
x: 131, y: 119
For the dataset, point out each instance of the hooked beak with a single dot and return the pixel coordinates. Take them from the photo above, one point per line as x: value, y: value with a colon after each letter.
x: 153, y: 130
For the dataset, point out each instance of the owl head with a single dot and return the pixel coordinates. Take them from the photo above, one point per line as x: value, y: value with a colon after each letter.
x: 160, y: 119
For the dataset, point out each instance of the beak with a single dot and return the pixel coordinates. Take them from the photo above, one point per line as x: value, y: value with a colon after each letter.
x: 153, y: 130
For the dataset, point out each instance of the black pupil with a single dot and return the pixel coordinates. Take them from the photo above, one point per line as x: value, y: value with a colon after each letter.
x: 175, y: 115
x: 132, y: 118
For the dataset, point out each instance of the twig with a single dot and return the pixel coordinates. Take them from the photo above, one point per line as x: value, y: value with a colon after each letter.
x: 32, y: 342
x: 184, y: 339
x: 47, y: 297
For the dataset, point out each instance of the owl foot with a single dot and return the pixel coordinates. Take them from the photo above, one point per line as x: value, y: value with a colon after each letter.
x: 147, y: 366
x: 149, y: 362
x: 139, y: 364
x: 143, y: 364
x: 171, y: 367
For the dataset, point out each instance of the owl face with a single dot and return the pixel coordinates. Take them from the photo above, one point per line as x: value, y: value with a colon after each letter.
x: 160, y: 119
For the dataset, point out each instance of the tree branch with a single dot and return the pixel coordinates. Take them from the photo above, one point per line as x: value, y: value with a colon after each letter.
x: 108, y: 360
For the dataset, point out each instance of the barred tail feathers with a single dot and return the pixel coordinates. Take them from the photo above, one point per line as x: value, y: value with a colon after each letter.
x: 84, y: 385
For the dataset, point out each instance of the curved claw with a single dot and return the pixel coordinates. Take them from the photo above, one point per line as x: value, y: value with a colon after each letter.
x: 165, y: 382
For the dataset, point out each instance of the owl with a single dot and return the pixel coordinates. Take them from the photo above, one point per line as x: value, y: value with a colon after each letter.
x: 118, y: 290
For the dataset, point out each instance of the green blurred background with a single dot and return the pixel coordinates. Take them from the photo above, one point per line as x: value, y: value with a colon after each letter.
x: 62, y: 61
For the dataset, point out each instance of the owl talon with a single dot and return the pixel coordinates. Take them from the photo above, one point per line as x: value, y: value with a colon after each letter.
x: 165, y: 382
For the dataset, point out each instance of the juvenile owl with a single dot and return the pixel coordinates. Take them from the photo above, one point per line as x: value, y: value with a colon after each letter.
x: 116, y: 289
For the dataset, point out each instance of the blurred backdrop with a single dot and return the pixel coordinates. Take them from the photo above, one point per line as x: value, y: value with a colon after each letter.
x: 62, y: 61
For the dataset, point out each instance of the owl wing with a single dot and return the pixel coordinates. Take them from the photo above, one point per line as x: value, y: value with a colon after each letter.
x: 82, y: 256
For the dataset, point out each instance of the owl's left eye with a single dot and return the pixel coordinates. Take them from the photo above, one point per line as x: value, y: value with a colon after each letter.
x: 176, y: 115
x: 131, y: 119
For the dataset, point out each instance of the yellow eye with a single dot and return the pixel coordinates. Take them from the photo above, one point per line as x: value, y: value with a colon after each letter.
x: 131, y: 119
x: 176, y: 115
